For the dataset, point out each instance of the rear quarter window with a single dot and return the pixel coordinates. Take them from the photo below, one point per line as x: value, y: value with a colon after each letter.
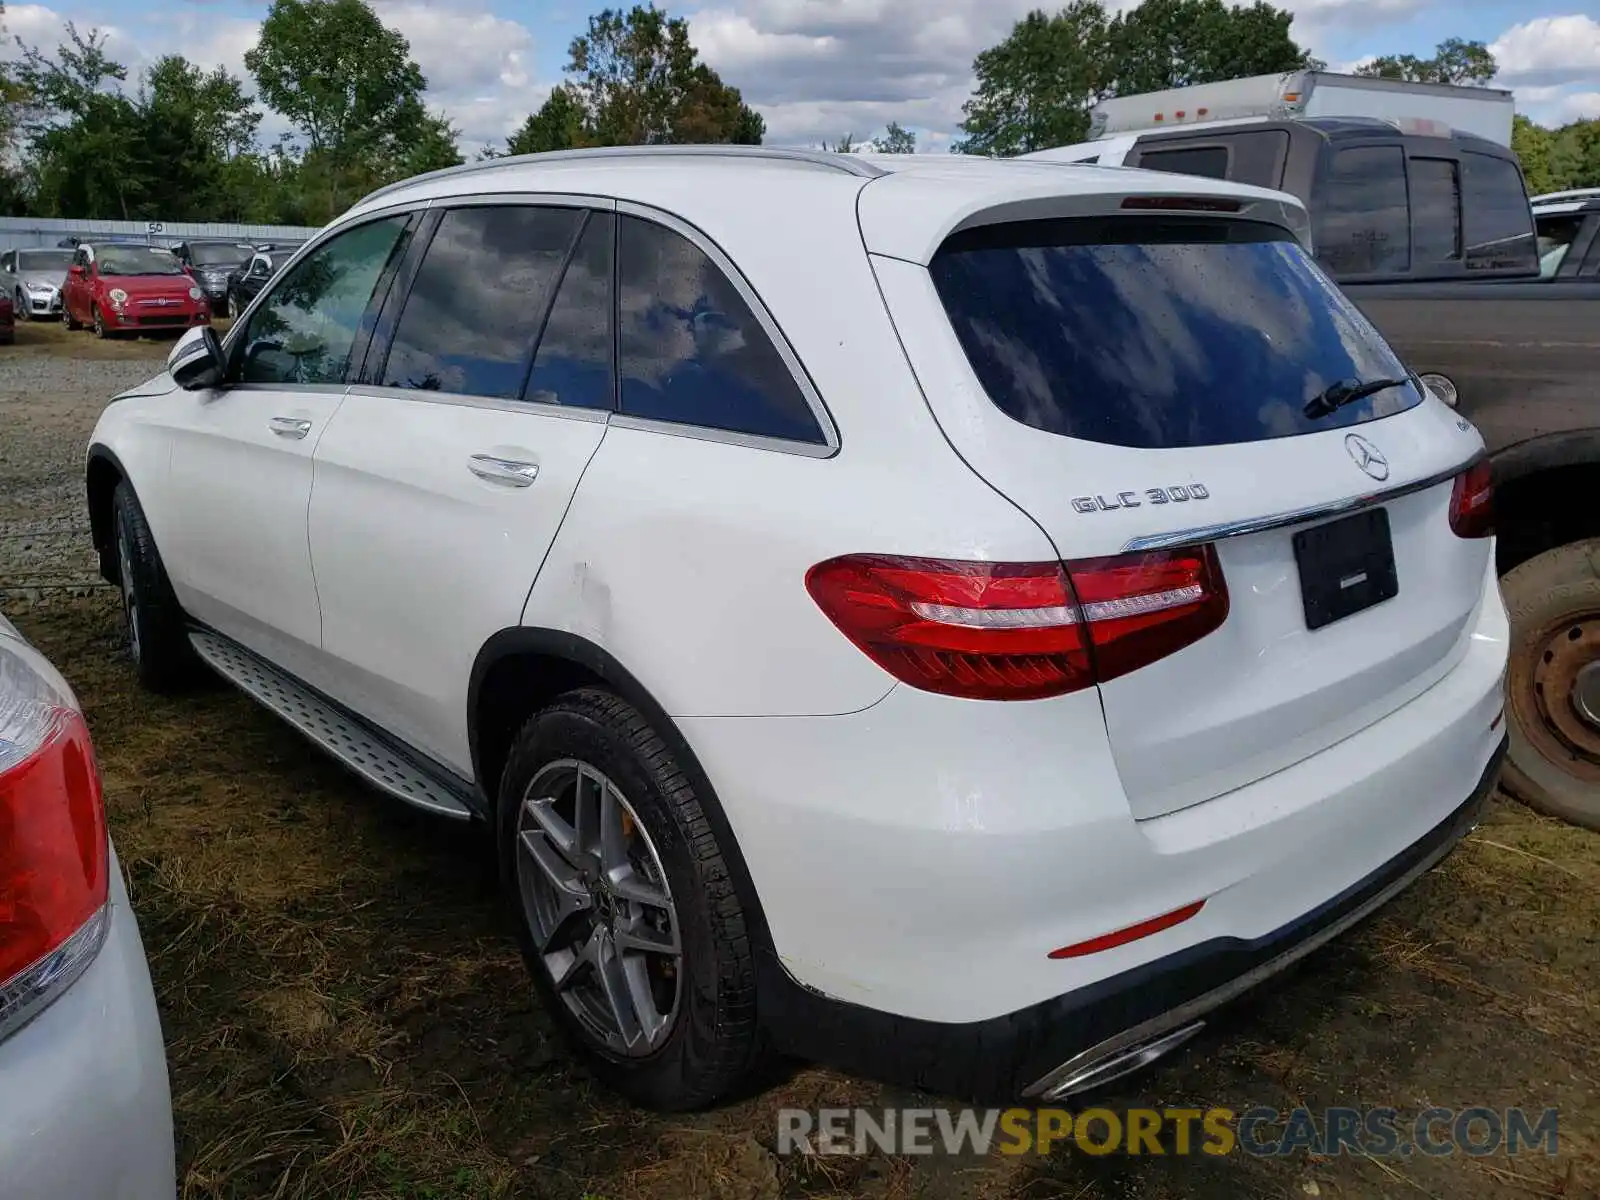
x: 1256, y: 157
x: 1160, y: 333
x: 1497, y: 221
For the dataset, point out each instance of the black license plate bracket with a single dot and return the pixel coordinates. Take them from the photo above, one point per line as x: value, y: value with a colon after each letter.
x: 1346, y: 566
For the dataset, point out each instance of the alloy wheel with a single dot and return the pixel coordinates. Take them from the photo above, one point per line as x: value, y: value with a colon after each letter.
x: 599, y: 908
x: 20, y: 306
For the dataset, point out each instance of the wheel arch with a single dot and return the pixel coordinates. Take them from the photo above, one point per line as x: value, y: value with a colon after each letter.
x: 1544, y: 494
x: 102, y: 472
x: 521, y: 669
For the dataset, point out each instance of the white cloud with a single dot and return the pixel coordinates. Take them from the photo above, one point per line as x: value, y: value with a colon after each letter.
x: 1549, y: 50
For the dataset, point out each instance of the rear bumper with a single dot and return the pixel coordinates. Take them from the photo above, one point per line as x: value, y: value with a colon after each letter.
x: 1029, y: 1052
x: 85, y: 1110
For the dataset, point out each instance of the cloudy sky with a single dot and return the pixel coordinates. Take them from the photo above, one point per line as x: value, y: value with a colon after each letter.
x: 820, y: 68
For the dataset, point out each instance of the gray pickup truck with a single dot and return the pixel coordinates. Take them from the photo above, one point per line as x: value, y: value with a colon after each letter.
x: 1431, y: 233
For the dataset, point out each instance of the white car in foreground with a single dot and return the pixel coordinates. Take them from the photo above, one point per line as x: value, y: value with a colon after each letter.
x: 84, y: 1106
x: 962, y: 620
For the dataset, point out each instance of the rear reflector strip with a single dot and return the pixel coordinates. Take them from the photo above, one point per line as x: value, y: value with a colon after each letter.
x: 1132, y: 933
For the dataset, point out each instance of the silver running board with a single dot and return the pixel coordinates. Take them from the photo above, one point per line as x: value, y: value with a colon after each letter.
x: 346, y: 740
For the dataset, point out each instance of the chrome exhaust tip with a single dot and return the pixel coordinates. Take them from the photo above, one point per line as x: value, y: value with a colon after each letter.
x: 1101, y: 1064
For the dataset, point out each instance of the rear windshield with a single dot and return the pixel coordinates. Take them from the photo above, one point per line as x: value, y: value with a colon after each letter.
x: 214, y: 255
x: 1158, y: 332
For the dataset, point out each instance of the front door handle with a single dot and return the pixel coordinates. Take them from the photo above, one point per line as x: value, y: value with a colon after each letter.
x: 289, y: 427
x: 511, y: 471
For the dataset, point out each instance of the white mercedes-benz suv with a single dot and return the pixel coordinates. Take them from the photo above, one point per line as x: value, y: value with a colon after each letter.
x: 959, y: 620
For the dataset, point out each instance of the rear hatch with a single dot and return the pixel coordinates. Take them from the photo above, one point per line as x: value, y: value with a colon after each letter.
x: 1140, y: 380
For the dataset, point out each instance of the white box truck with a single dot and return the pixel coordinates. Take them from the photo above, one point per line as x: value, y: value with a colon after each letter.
x: 1482, y: 112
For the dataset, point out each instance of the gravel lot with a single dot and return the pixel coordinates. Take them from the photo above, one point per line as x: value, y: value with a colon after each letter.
x: 347, y: 1017
x: 48, y: 407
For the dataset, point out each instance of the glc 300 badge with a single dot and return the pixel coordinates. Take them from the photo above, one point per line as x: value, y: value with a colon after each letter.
x: 1180, y: 494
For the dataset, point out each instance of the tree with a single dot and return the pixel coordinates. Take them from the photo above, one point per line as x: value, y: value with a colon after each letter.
x: 433, y: 147
x: 897, y: 139
x: 558, y: 125
x: 1453, y: 61
x: 634, y: 78
x: 224, y: 115
x: 1175, y: 43
x: 845, y: 145
x: 1533, y: 145
x: 335, y: 70
x: 1035, y: 89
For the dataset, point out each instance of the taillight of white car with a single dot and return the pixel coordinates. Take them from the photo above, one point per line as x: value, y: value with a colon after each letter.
x: 54, y: 849
x: 1021, y: 631
x: 1472, y: 502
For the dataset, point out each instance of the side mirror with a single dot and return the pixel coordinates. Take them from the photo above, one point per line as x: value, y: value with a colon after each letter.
x: 76, y: 269
x: 196, y: 362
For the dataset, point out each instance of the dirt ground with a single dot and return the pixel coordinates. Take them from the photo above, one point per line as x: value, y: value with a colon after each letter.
x: 347, y: 1015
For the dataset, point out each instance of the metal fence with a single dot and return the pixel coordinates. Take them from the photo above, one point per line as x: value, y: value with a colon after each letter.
x: 31, y: 232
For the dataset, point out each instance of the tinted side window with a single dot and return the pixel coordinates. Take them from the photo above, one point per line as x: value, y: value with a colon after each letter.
x: 1498, y: 222
x: 474, y: 310
x: 576, y: 349
x: 1363, y: 227
x: 304, y: 331
x: 1210, y: 161
x: 1435, y: 211
x: 692, y: 352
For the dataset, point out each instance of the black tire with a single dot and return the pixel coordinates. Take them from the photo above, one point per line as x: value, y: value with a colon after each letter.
x: 72, y: 322
x: 713, y: 1041
x: 20, y: 306
x: 158, y: 637
x: 100, y: 330
x: 1553, y: 601
x: 230, y: 307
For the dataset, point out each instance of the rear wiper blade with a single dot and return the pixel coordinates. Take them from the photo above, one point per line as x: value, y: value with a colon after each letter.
x: 1348, y: 391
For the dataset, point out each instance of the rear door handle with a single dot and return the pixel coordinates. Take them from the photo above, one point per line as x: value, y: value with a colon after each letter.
x: 289, y: 427
x: 511, y: 471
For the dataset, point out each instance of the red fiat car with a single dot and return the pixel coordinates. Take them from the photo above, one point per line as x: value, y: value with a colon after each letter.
x: 116, y: 288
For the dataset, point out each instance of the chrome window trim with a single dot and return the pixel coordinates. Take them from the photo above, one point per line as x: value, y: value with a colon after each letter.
x: 528, y: 407
x: 706, y: 433
x: 1280, y: 520
x: 308, y: 389
x: 827, y: 448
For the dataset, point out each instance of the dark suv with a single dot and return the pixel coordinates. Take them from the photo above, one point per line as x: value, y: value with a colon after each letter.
x: 211, y: 262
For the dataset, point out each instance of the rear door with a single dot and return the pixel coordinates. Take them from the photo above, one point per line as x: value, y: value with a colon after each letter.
x: 1136, y: 383
x: 445, y: 475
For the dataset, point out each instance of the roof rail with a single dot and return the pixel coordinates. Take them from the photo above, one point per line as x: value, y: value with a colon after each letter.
x: 850, y: 164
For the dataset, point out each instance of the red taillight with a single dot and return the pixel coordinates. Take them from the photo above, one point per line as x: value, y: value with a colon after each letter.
x: 1472, y: 502
x: 1020, y: 631
x: 54, y: 853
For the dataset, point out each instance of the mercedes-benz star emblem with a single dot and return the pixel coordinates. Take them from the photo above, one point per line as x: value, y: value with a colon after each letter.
x: 1367, y: 456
